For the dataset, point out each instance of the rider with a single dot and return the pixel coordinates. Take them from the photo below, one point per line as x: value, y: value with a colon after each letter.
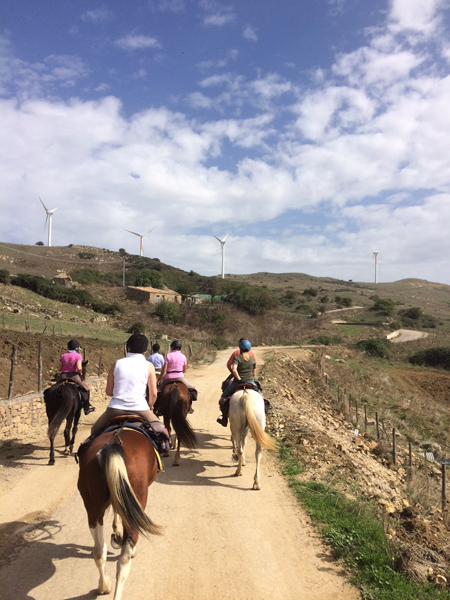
x: 229, y: 379
x: 175, y: 368
x: 243, y: 369
x: 71, y: 367
x: 130, y: 380
x: 156, y: 359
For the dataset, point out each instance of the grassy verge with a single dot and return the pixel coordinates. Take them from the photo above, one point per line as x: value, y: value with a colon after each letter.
x: 357, y: 538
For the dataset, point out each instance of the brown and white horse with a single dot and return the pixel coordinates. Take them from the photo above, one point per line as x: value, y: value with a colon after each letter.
x: 117, y: 469
x: 174, y: 406
x: 247, y: 413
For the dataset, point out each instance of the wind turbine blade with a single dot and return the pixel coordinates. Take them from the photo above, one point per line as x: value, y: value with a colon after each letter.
x: 217, y: 238
x: 150, y: 231
x: 225, y: 237
x: 52, y: 211
x: 46, y: 209
x: 138, y: 234
x: 46, y: 219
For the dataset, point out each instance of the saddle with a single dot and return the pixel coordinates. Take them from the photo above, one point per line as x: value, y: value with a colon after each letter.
x: 159, y: 438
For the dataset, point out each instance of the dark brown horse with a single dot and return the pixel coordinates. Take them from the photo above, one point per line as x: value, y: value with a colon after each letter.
x: 174, y: 407
x: 117, y: 469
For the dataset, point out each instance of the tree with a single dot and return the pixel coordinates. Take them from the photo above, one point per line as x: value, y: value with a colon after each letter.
x: 39, y: 243
x: 149, y: 278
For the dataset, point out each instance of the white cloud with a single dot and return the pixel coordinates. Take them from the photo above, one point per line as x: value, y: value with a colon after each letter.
x: 415, y: 15
x: 174, y: 6
x: 250, y: 34
x: 137, y: 42
x: 216, y: 14
x: 98, y: 15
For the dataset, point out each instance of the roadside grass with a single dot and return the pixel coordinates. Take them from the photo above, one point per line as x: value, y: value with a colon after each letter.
x: 357, y: 537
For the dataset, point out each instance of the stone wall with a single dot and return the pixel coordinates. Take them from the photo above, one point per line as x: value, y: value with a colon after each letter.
x: 25, y: 415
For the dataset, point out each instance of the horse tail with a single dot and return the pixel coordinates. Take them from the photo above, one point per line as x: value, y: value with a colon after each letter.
x: 123, y: 498
x: 259, y: 435
x: 182, y: 427
x: 66, y: 406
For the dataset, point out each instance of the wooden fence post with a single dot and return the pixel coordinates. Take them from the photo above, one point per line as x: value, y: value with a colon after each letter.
x: 394, y: 447
x: 11, y: 376
x: 444, y: 496
x: 40, y: 367
x: 378, y: 426
x: 410, y: 454
x: 365, y: 418
x: 100, y: 365
x: 356, y: 414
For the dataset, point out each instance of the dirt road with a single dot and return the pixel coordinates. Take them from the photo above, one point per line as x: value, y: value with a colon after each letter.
x: 222, y: 539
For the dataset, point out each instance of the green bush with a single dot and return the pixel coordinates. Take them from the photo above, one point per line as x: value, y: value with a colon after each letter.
x: 149, y: 278
x: 384, y: 305
x: 375, y: 347
x: 255, y: 300
x: 218, y: 319
x: 219, y: 343
x: 168, y: 312
x: 86, y: 255
x: 347, y: 302
x: 433, y: 357
x: 4, y: 276
x: 310, y: 292
x: 137, y: 327
x: 414, y: 313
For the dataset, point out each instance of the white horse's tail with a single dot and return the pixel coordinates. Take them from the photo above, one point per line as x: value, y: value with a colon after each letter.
x: 259, y: 435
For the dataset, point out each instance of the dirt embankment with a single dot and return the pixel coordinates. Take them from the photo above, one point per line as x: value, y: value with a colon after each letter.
x: 305, y: 417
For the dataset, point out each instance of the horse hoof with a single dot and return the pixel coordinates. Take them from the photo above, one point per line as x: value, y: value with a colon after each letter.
x: 234, y: 457
x: 116, y: 541
x: 165, y: 454
x: 256, y: 486
x: 105, y: 588
x: 51, y: 461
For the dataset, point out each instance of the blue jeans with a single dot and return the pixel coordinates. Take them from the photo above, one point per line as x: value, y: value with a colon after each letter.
x: 228, y: 391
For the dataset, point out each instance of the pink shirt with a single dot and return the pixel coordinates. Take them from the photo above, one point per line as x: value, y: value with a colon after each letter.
x: 175, y: 362
x: 69, y: 362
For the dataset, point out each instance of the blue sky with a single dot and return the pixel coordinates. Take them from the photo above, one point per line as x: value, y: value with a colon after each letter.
x: 311, y: 131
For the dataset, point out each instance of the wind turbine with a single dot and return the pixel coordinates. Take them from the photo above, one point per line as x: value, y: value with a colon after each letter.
x: 48, y: 218
x: 141, y: 244
x: 375, y: 258
x: 222, y: 243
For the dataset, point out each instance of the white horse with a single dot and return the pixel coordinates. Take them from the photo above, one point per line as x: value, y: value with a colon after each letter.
x: 247, y: 413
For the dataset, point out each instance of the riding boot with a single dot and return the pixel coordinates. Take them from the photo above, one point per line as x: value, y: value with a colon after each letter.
x: 87, y: 408
x: 156, y: 405
x: 224, y: 408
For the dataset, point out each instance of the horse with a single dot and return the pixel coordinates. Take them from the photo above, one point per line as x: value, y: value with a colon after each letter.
x: 117, y: 469
x: 62, y: 401
x: 247, y: 413
x: 174, y: 407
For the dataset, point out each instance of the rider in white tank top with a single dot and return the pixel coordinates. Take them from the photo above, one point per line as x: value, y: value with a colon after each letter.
x: 130, y: 383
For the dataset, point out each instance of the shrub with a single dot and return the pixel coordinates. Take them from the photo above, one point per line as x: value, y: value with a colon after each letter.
x: 384, y: 305
x: 168, y: 312
x: 429, y: 322
x: 433, y: 357
x: 218, y: 319
x: 413, y: 313
x: 86, y: 255
x: 4, y: 276
x: 137, y: 327
x: 347, y: 302
x: 149, y: 278
x: 255, y: 300
x: 374, y: 347
x: 310, y: 292
x: 219, y: 343
x: 39, y: 243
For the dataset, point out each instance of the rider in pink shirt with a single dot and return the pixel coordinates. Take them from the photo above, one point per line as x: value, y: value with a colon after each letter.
x: 175, y: 368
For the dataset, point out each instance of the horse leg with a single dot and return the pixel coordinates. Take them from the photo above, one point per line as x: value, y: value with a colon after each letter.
x: 67, y: 428
x: 52, y: 453
x: 124, y: 564
x: 116, y: 536
x: 176, y: 461
x: 244, y: 443
x: 74, y: 430
x: 256, y: 480
x: 100, y: 553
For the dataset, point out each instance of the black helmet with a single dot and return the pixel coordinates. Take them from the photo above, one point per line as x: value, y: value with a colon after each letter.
x: 137, y: 343
x: 73, y: 345
x: 176, y: 345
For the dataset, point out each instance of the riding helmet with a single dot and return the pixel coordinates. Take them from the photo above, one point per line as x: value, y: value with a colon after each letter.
x: 245, y: 346
x: 176, y: 345
x: 74, y: 345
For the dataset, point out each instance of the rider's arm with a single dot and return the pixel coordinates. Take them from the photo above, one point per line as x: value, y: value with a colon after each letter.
x: 230, y: 362
x: 79, y: 367
x: 151, y: 384
x: 110, y: 382
x: 235, y: 372
x: 163, y: 372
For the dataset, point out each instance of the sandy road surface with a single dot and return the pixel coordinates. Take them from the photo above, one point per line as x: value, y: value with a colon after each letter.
x: 407, y: 335
x: 222, y: 539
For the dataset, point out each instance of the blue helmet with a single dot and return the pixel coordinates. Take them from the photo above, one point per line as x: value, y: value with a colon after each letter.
x: 245, y: 346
